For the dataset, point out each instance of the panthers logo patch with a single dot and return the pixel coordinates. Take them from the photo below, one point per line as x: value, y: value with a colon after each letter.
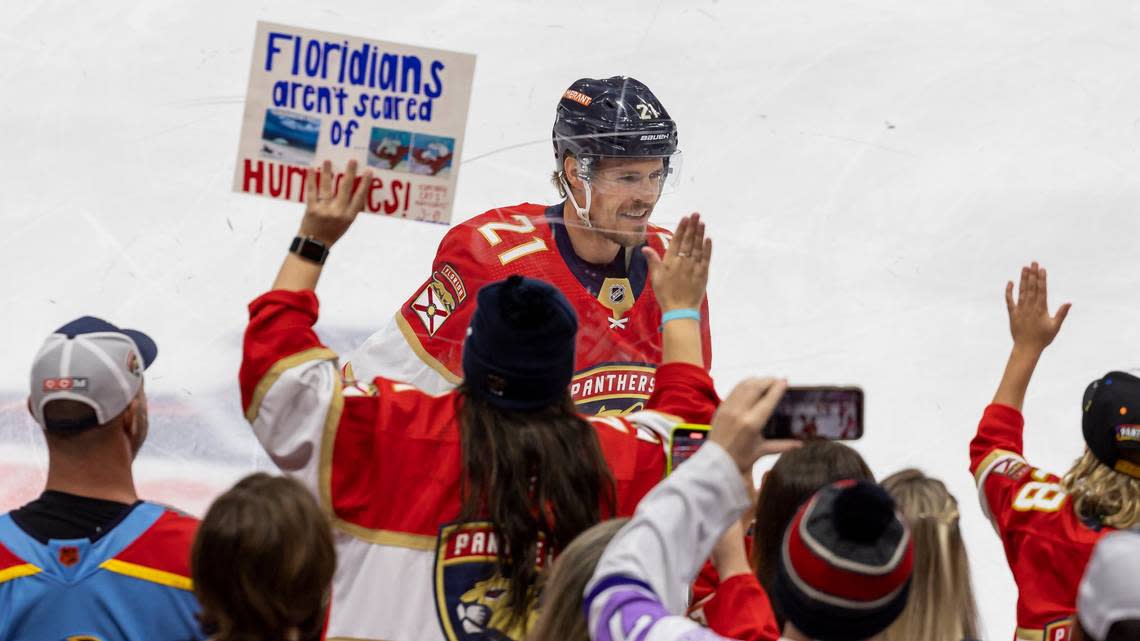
x: 471, y: 596
x: 613, y: 389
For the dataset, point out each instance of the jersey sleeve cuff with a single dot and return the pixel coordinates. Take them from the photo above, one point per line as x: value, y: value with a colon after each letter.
x: 1005, y: 415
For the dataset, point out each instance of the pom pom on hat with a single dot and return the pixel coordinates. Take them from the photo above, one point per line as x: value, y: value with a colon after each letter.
x: 845, y: 564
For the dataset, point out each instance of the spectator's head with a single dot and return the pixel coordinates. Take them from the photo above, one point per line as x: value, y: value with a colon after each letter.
x: 560, y: 615
x: 795, y: 477
x: 263, y: 563
x: 941, y: 605
x: 530, y: 462
x: 1104, y: 483
x: 615, y: 150
x: 845, y: 565
x: 87, y: 391
x: 519, y: 352
x: 1108, y: 604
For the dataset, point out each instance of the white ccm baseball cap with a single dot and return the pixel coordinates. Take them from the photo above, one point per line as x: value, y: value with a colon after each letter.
x: 1108, y: 591
x: 91, y: 361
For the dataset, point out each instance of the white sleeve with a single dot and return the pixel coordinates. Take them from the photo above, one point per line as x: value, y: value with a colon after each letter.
x: 387, y: 353
x: 653, y: 425
x: 293, y: 418
x: 643, y: 574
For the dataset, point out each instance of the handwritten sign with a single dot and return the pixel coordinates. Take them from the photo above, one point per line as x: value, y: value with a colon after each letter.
x: 397, y: 109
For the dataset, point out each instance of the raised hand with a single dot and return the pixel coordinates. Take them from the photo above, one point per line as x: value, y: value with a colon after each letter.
x: 1029, y: 320
x: 328, y: 215
x: 679, y: 278
x: 738, y: 425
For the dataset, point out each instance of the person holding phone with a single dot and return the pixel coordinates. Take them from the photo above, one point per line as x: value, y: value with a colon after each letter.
x: 847, y: 580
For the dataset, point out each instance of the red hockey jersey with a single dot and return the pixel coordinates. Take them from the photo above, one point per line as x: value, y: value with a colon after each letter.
x: 619, y: 340
x: 384, y: 458
x: 1046, y: 544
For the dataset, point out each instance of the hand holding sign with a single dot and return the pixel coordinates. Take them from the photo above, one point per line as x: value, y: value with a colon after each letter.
x: 332, y: 204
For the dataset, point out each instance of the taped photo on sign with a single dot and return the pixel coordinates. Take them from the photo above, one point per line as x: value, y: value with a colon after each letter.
x: 388, y: 149
x: 289, y: 137
x: 431, y: 155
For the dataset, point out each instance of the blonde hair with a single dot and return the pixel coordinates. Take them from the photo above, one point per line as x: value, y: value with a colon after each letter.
x: 941, y: 606
x: 560, y: 612
x: 1102, y: 494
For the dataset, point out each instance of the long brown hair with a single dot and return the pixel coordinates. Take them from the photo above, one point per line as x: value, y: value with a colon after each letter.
x: 536, y: 475
x: 560, y: 615
x: 941, y: 605
x: 263, y: 562
x: 795, y: 477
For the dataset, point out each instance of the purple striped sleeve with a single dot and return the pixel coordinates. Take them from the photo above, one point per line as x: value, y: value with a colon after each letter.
x: 620, y: 608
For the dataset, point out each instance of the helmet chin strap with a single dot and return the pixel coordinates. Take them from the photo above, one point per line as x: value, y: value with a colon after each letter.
x: 582, y: 211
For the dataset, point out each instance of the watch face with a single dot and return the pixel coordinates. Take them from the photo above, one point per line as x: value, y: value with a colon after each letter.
x: 310, y: 249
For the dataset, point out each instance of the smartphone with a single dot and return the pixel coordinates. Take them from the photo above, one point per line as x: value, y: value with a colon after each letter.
x: 684, y: 441
x: 823, y: 412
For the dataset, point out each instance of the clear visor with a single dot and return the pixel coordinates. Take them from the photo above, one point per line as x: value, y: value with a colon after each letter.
x: 640, y: 176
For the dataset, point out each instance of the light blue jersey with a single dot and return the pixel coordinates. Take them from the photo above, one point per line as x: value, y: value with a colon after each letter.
x: 133, y: 584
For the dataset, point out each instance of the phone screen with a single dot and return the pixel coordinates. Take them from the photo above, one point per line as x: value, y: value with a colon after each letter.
x: 684, y: 442
x: 831, y: 413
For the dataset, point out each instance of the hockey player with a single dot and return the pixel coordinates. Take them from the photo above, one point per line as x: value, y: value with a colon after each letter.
x: 444, y: 504
x: 615, y: 150
x: 88, y: 560
x: 1049, y: 525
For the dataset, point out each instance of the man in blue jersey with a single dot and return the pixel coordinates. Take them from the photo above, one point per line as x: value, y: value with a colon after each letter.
x: 87, y: 559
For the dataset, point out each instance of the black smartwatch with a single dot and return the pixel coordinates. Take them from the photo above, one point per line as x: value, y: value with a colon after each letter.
x: 310, y: 249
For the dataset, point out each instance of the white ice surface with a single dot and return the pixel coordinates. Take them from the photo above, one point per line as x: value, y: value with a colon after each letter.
x: 872, y: 173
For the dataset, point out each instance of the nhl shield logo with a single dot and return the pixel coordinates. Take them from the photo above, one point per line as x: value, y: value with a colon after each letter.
x: 471, y: 596
x: 616, y: 295
x: 68, y: 556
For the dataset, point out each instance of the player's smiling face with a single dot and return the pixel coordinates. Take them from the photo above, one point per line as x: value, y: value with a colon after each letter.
x: 623, y: 194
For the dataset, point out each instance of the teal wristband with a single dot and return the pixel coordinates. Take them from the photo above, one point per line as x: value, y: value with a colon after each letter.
x: 678, y: 314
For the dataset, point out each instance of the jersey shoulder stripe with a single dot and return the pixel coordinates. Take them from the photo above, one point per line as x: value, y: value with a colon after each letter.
x: 1001, y: 461
x: 17, y: 571
x: 169, y: 579
x: 161, y: 554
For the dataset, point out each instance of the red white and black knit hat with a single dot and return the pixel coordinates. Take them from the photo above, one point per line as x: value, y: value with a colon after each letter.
x: 845, y: 564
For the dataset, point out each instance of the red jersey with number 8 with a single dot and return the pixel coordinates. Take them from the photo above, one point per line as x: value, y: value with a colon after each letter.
x: 619, y: 339
x: 1046, y: 544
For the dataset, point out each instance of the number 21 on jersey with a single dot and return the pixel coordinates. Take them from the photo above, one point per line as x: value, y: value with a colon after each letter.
x: 490, y: 231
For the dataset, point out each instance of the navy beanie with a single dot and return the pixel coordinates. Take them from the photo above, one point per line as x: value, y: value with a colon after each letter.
x: 519, y: 352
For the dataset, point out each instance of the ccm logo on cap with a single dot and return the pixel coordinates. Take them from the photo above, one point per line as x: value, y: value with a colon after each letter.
x: 1127, y: 433
x: 55, y: 384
